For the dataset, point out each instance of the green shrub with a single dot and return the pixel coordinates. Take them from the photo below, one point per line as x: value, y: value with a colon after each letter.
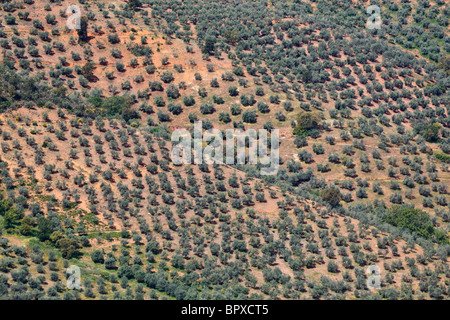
x: 442, y: 157
x: 306, y: 122
x: 431, y: 133
x: 414, y: 220
x: 332, y: 196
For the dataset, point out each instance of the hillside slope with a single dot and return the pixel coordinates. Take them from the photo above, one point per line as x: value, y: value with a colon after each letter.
x: 87, y: 179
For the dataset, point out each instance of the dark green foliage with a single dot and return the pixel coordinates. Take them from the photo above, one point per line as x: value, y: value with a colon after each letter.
x: 431, y: 133
x: 209, y: 45
x: 69, y: 247
x: 45, y: 229
x: 12, y: 217
x: 97, y: 256
x: 16, y: 89
x: 82, y: 32
x: 444, y: 63
x: 114, y: 106
x: 306, y: 122
x: 88, y: 70
x: 414, y: 220
x: 134, y: 4
x: 249, y: 116
x: 442, y: 157
x: 332, y: 196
